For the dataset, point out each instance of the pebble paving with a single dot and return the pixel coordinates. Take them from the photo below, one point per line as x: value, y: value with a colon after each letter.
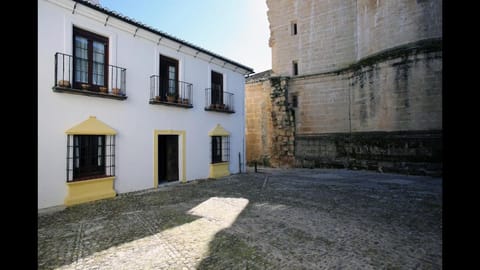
x: 273, y: 219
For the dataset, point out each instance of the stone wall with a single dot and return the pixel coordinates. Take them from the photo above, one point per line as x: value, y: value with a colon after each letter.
x: 325, y: 39
x: 384, y: 24
x: 410, y: 152
x: 283, y: 123
x: 369, y: 84
x: 400, y: 89
x: 259, y: 125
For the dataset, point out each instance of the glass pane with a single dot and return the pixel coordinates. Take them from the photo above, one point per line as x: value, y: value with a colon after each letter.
x: 81, y: 57
x: 171, y: 79
x: 98, y: 63
x: 76, y: 152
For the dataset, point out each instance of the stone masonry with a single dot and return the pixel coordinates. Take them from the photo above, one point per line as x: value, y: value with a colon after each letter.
x: 369, y: 83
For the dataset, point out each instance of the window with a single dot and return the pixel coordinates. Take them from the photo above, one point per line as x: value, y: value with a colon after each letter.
x: 295, y: 68
x: 220, y: 149
x: 90, y: 156
x: 90, y: 60
x: 293, y: 27
x: 294, y: 101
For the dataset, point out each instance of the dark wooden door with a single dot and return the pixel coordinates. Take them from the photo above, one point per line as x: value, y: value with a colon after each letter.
x: 167, y: 158
x: 168, y: 76
x: 217, y: 88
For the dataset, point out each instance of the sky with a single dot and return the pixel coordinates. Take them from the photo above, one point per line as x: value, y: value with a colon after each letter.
x: 235, y: 29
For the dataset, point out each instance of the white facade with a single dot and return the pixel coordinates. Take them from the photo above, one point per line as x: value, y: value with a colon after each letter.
x: 134, y: 119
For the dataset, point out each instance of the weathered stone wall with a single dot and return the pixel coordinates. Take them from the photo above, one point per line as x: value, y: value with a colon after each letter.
x: 270, y: 128
x: 283, y: 122
x: 259, y: 125
x: 369, y: 86
x: 325, y: 40
x: 384, y: 24
x: 411, y: 152
x: 400, y: 90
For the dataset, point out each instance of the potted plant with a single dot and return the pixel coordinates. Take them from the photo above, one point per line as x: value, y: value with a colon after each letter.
x: 116, y: 91
x: 64, y: 83
x: 85, y: 86
x: 103, y: 89
x: 171, y: 96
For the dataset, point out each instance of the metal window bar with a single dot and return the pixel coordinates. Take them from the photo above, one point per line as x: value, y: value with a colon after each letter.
x: 64, y: 75
x: 222, y: 103
x: 159, y: 91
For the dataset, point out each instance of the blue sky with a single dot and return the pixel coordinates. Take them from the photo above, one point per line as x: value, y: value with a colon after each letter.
x: 235, y: 29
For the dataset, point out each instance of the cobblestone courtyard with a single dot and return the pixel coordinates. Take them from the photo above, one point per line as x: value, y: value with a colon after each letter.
x: 274, y: 219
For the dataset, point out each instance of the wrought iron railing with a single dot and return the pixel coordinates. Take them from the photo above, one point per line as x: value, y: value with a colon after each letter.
x: 218, y: 100
x: 114, y: 82
x: 170, y: 92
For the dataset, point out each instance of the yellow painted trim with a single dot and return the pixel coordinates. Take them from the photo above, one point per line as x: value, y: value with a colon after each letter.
x: 218, y: 170
x: 181, y: 133
x: 89, y: 190
x: 91, y: 126
x: 218, y: 131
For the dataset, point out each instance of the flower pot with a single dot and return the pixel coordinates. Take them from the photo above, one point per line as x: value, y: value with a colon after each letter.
x: 116, y: 91
x: 103, y: 89
x: 64, y: 83
x: 171, y: 98
x: 158, y: 98
x: 85, y: 86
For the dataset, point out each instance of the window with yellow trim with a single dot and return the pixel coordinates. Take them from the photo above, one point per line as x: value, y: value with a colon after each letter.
x: 90, y: 156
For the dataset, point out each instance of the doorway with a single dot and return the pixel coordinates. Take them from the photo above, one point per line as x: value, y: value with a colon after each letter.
x: 167, y: 158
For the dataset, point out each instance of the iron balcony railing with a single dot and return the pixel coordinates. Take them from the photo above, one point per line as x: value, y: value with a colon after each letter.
x: 170, y: 92
x: 110, y: 84
x: 218, y: 100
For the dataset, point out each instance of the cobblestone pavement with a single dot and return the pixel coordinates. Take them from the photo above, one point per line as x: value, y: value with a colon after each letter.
x: 274, y: 219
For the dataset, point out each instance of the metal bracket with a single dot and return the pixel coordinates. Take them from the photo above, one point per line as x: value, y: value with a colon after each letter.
x: 74, y: 7
x: 179, y: 47
x: 211, y: 59
x: 136, y: 32
x: 158, y: 43
x: 106, y: 20
x: 196, y: 54
x: 224, y: 63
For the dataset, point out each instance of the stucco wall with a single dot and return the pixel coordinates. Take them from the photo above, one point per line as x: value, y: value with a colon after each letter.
x: 134, y: 119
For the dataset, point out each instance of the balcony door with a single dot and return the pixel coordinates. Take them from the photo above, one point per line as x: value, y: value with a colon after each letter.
x: 217, y: 88
x: 168, y: 76
x: 90, y: 60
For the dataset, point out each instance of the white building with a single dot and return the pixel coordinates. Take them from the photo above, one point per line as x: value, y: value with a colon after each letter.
x: 106, y: 121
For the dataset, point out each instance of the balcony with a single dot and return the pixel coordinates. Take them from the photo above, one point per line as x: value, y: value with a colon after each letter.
x: 218, y: 101
x: 113, y: 86
x: 170, y: 92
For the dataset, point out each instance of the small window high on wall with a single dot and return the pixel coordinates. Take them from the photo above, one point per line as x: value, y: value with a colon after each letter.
x: 293, y: 27
x: 295, y: 68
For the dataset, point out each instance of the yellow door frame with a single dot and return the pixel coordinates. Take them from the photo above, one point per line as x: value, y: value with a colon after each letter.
x: 182, y: 134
